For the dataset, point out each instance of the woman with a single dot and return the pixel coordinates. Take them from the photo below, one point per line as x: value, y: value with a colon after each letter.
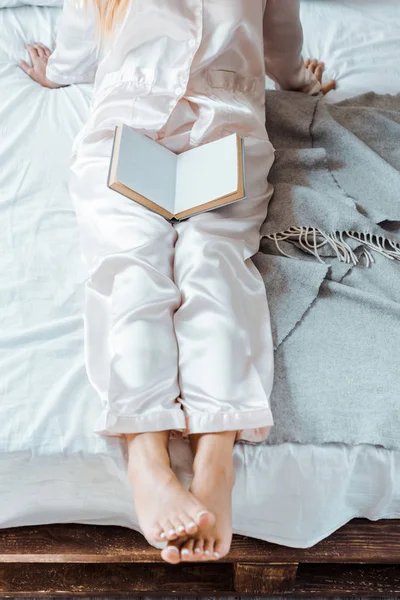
x: 177, y: 327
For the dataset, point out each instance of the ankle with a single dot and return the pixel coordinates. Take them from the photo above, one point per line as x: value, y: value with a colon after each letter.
x: 209, y: 462
x: 214, y: 471
x: 208, y: 446
x: 145, y: 448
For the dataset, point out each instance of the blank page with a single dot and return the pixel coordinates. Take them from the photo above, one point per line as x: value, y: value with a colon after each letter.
x: 207, y: 173
x: 147, y: 168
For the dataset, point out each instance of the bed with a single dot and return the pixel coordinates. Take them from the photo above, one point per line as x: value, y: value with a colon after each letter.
x: 53, y: 468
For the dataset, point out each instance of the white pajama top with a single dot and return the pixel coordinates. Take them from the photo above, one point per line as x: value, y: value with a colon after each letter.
x: 166, y: 49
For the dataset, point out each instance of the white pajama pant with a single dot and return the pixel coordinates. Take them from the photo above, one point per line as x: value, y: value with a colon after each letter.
x: 176, y: 321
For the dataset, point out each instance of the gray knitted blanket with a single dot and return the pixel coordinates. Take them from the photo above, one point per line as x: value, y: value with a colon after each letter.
x: 329, y: 258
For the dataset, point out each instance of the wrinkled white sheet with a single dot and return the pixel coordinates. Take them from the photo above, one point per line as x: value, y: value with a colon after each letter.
x: 359, y: 41
x: 53, y: 468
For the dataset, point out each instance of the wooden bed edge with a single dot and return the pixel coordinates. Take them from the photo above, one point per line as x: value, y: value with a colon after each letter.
x: 361, y: 559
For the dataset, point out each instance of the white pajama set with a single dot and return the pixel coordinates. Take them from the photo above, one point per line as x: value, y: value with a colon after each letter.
x: 176, y: 319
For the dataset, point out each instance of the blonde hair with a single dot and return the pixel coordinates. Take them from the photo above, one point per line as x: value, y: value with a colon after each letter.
x: 108, y: 14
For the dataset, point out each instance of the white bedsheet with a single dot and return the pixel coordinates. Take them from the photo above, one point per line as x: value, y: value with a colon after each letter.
x: 53, y: 468
x: 359, y: 41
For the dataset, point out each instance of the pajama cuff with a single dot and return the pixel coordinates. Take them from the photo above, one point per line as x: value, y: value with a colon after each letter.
x: 250, y: 425
x: 56, y: 77
x: 112, y: 424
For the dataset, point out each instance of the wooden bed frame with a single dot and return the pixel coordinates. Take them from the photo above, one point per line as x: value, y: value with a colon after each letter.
x: 360, y: 559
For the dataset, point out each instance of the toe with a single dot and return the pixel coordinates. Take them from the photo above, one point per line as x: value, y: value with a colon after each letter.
x: 187, y: 550
x: 208, y: 549
x: 220, y: 549
x: 198, y: 548
x: 178, y: 526
x: 158, y: 534
x: 190, y: 524
x: 215, y: 555
x: 169, y: 530
x: 204, y: 519
x: 171, y: 554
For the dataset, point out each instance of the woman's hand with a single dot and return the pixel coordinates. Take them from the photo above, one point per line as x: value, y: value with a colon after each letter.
x: 39, y: 56
x: 318, y: 69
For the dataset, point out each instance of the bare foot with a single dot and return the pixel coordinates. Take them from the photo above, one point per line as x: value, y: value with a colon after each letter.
x: 165, y: 509
x: 212, y: 485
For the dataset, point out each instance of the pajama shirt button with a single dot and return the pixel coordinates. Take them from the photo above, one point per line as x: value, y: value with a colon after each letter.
x: 178, y: 91
x: 192, y: 43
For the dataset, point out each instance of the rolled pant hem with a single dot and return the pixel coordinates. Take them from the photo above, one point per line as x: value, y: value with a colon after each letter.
x: 250, y: 425
x: 112, y: 424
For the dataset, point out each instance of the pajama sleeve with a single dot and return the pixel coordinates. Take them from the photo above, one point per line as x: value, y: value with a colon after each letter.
x: 283, y: 45
x: 75, y: 57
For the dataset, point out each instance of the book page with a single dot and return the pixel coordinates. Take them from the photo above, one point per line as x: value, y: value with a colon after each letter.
x: 147, y: 168
x: 207, y: 173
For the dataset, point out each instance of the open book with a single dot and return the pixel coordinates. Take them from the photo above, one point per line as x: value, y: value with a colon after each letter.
x: 177, y: 186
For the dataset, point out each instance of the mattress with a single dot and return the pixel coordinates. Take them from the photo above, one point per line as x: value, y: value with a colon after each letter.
x: 53, y: 468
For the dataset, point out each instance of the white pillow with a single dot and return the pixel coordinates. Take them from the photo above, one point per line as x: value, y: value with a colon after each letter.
x: 15, y: 3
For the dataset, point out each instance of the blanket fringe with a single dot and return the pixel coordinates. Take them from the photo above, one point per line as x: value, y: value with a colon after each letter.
x: 311, y: 240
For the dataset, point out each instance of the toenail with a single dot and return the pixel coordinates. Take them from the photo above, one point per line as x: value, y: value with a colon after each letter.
x: 216, y: 554
x: 171, y: 532
x: 197, y: 550
x: 203, y: 512
x: 191, y: 525
x: 185, y: 552
x: 162, y: 535
x: 173, y: 548
x: 207, y: 552
x: 181, y: 528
